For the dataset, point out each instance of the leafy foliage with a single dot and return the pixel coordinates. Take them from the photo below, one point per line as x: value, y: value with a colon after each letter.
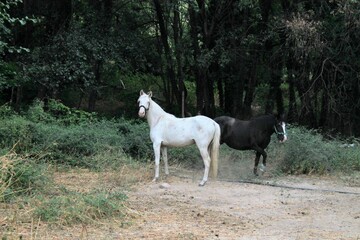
x: 8, y: 70
x: 6, y: 21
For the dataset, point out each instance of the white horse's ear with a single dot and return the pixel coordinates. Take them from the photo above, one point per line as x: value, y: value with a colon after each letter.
x: 141, y: 92
x: 150, y: 94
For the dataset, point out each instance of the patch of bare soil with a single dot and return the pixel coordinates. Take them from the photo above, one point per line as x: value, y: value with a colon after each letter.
x: 300, y: 208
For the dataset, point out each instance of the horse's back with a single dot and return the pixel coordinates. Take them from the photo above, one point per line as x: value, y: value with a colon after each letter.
x: 233, y: 125
x: 201, y: 126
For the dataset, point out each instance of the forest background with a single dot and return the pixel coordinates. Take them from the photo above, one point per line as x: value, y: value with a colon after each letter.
x: 239, y: 58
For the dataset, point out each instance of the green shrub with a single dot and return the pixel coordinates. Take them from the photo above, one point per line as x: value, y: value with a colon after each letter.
x: 36, y: 112
x: 67, y: 115
x: 71, y: 144
x: 56, y: 112
x: 6, y: 111
x: 16, y: 130
x: 308, y: 152
x: 136, y: 140
x: 74, y: 145
x: 68, y: 136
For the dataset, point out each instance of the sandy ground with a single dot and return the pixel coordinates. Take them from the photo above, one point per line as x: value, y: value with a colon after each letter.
x: 302, y: 208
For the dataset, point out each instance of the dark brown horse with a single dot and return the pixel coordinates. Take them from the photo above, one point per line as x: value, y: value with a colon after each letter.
x: 254, y: 134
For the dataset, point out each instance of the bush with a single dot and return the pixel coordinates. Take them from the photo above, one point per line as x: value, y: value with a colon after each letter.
x: 136, y: 136
x: 36, y: 112
x: 67, y: 115
x: 67, y: 136
x: 75, y: 144
x: 15, y: 130
x: 308, y: 152
x: 6, y: 111
x: 70, y: 145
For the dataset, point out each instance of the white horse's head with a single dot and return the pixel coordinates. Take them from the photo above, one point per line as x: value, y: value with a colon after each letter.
x: 144, y: 103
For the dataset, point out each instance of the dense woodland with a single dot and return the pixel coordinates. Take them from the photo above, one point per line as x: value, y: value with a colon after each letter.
x: 213, y: 57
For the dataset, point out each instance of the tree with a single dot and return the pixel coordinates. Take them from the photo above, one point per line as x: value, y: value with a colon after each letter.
x: 244, y: 57
x: 9, y: 78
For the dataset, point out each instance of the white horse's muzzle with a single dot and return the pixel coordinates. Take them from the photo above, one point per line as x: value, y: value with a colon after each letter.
x: 142, y: 111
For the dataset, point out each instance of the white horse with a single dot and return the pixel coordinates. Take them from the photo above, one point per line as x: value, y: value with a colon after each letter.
x: 166, y: 130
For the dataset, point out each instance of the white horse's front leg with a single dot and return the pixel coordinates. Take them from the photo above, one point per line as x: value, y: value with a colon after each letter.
x: 165, y: 158
x: 156, y: 147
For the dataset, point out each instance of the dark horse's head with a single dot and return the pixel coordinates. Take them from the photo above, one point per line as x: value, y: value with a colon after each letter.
x: 280, y: 128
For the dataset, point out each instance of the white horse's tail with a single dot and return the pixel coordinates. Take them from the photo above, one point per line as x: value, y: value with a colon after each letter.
x: 214, y: 151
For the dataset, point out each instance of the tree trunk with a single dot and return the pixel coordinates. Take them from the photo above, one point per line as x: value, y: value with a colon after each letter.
x: 92, y: 100
x: 179, y: 56
x: 249, y: 95
x: 93, y: 95
x: 169, y: 62
x: 194, y: 22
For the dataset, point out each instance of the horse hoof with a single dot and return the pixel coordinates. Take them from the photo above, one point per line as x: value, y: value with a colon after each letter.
x: 262, y: 168
x: 201, y: 184
x: 155, y: 180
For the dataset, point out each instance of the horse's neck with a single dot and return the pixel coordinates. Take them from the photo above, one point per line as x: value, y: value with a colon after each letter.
x: 266, y: 122
x: 271, y: 124
x: 155, y: 113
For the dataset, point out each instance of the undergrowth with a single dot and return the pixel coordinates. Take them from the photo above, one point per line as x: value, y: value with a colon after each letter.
x: 308, y: 152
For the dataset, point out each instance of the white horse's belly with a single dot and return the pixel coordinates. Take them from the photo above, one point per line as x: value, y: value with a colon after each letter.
x: 177, y: 142
x: 173, y: 136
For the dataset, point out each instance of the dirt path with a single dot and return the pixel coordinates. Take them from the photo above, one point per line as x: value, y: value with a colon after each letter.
x: 293, y: 207
x: 230, y: 210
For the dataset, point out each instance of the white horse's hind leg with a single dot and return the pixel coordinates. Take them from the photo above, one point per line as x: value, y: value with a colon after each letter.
x: 156, y: 147
x: 165, y: 158
x: 206, y: 158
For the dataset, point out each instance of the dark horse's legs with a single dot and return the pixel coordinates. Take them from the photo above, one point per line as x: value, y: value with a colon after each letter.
x: 259, y: 152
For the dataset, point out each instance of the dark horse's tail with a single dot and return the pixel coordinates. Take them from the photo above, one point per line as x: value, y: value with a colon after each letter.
x: 214, y: 151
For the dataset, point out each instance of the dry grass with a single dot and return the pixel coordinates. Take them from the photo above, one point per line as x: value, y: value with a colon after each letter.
x: 17, y: 218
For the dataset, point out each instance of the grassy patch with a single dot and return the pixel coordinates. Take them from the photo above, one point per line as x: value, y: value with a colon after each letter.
x: 19, y: 175
x: 74, y: 207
